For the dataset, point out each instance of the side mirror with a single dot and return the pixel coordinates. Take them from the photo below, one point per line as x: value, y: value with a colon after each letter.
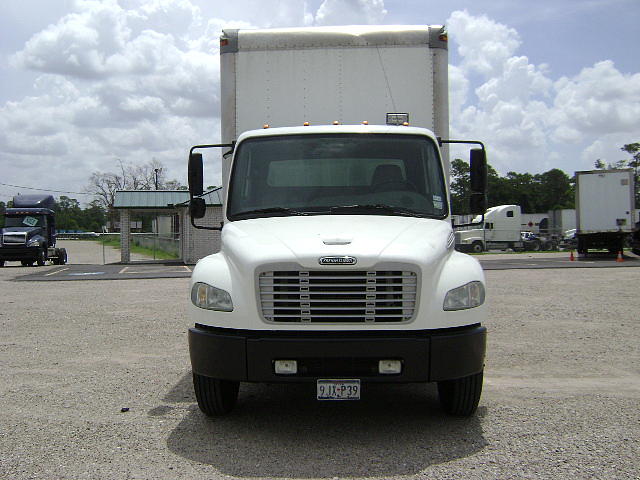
x: 478, y: 203
x: 197, y: 208
x: 196, y: 182
x: 478, y: 170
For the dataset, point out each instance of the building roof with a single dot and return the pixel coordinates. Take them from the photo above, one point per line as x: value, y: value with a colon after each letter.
x: 158, y: 199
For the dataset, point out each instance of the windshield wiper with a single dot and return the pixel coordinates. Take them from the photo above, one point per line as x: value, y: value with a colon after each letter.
x: 376, y: 208
x: 258, y: 211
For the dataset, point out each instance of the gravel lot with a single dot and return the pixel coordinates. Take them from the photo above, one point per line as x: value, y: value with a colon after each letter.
x: 560, y: 401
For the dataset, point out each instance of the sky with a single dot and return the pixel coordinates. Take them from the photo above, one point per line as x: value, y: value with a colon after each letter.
x: 86, y: 84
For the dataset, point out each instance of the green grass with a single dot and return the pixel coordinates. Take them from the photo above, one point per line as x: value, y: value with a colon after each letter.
x: 149, y: 252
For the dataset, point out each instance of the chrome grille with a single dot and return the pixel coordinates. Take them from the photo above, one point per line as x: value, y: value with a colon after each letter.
x: 14, y: 238
x: 338, y: 296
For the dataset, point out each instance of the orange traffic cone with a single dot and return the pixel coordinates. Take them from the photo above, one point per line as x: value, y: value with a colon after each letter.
x: 571, y: 257
x: 620, y: 259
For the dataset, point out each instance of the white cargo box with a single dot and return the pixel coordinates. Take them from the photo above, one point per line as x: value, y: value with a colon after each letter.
x: 605, y: 201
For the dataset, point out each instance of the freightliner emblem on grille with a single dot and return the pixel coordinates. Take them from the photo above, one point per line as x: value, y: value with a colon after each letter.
x: 337, y: 260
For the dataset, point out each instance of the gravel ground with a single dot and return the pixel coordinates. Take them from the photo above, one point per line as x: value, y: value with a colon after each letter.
x: 560, y: 401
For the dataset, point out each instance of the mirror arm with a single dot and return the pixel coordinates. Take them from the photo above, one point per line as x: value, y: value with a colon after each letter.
x: 472, y: 142
x: 203, y: 227
x: 232, y: 147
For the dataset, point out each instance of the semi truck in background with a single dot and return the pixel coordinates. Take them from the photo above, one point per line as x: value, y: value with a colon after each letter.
x: 337, y: 264
x: 605, y: 215
x: 29, y: 232
x: 499, y: 229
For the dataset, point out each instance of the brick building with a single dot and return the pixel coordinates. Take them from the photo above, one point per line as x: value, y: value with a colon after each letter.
x: 170, y: 208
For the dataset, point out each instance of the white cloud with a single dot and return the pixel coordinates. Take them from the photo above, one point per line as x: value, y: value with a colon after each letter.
x: 598, y: 101
x: 484, y: 45
x: 134, y: 79
x: 526, y: 118
x: 350, y: 12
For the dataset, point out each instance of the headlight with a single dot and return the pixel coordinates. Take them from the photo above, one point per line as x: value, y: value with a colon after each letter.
x: 34, y: 243
x: 467, y: 296
x: 211, y: 298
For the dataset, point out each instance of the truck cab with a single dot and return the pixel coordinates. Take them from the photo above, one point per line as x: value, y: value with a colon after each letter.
x: 499, y: 228
x: 29, y: 232
x: 337, y: 267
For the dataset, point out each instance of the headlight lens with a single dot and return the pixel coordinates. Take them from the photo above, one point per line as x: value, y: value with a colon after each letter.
x: 211, y: 298
x: 34, y: 243
x: 467, y: 296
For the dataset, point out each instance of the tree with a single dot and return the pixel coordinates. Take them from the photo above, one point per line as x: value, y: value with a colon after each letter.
x: 534, y: 193
x: 460, y: 188
x: 555, y: 191
x: 128, y: 177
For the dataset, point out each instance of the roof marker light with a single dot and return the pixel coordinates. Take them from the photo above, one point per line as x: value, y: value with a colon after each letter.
x: 365, y: 122
x: 405, y: 124
x: 305, y: 124
x: 336, y: 122
x: 266, y: 125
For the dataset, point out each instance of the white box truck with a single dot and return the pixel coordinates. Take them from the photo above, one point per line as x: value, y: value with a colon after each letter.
x: 605, y: 204
x: 337, y: 264
x: 500, y: 229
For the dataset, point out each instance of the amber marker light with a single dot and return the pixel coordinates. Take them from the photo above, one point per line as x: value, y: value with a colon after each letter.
x: 406, y: 124
x: 305, y: 124
x: 336, y: 122
x: 266, y: 125
x: 365, y: 122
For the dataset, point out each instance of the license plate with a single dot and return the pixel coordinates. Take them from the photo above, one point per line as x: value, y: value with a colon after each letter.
x: 328, y: 389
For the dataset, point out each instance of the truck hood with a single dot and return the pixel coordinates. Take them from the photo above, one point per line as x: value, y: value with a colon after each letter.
x: 371, y: 240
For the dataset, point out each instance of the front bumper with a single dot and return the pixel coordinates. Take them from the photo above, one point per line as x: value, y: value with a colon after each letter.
x: 426, y: 355
x: 20, y: 252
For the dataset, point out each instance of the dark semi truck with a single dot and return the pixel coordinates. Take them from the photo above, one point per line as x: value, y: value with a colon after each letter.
x: 29, y: 233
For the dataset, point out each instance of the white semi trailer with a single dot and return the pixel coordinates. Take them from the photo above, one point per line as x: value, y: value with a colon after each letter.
x: 605, y: 214
x: 337, y: 264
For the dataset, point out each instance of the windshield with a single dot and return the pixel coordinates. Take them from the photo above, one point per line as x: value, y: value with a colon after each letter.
x: 24, y: 221
x: 378, y: 174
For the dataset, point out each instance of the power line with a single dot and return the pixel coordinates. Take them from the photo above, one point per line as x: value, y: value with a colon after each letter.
x: 44, y: 189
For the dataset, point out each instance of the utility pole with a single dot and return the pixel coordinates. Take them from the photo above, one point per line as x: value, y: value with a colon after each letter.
x: 156, y: 170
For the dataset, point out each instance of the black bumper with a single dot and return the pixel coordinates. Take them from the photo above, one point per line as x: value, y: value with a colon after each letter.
x: 426, y: 355
x: 19, y: 253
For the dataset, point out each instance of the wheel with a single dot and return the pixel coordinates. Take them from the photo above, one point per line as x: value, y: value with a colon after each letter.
x: 535, y: 246
x: 62, y: 256
x: 1, y: 263
x: 215, y: 397
x: 477, y: 247
x: 582, y: 247
x: 42, y: 257
x: 461, y: 396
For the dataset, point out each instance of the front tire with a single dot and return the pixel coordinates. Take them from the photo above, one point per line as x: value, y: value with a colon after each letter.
x: 461, y: 396
x: 42, y: 257
x: 215, y: 397
x: 477, y: 247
